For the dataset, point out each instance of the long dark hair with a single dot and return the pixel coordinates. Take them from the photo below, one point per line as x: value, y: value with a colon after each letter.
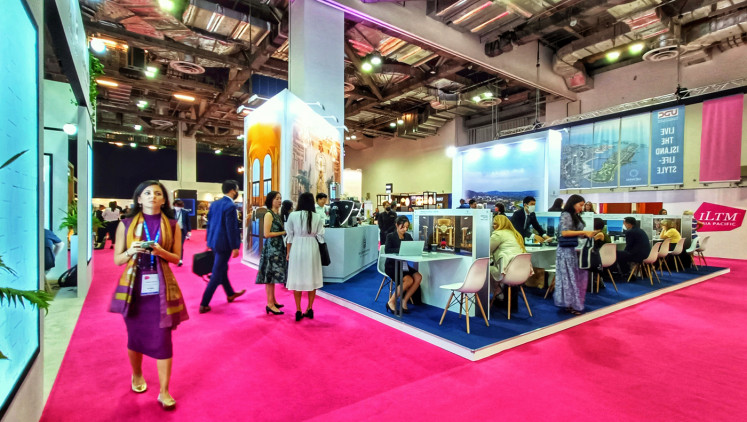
x: 137, y: 207
x: 270, y: 197
x: 285, y: 209
x: 570, y: 208
x: 306, y: 203
x: 557, y: 205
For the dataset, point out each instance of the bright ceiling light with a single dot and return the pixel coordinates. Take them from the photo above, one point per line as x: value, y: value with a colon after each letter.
x: 392, y: 124
x: 613, y: 55
x: 142, y: 104
x: 119, y: 144
x: 166, y: 4
x: 400, y: 122
x: 375, y: 60
x: 499, y: 151
x: 152, y: 147
x: 451, y: 152
x: 487, y: 94
x: 138, y: 127
x: 636, y: 48
x: 486, y: 23
x: 97, y: 45
x: 473, y: 154
x: 472, y: 12
x: 476, y: 98
x: 353, y: 137
x: 366, y: 67
x: 184, y: 97
x: 347, y: 138
x: 132, y: 144
x: 70, y: 129
x: 240, y: 169
x: 107, y: 82
x: 218, y: 151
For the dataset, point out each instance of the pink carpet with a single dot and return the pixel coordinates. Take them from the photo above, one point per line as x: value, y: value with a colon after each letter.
x: 679, y: 357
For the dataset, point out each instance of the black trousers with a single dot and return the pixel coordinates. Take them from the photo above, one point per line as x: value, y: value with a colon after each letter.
x: 111, y: 229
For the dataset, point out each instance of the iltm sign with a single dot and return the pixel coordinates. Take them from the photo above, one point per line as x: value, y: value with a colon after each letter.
x: 718, y: 218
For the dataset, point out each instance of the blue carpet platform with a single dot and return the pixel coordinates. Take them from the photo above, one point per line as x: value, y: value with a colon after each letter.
x: 359, y: 292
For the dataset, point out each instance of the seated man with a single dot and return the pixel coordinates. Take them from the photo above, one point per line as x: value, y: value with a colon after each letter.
x: 637, y: 246
x: 524, y: 220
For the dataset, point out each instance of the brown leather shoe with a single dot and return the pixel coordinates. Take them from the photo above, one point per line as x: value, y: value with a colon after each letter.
x: 204, y: 309
x: 235, y: 295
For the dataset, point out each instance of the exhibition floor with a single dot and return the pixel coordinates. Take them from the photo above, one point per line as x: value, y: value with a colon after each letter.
x: 359, y: 292
x: 673, y: 358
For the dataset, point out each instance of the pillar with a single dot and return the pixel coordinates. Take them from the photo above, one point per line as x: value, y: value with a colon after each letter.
x: 186, y: 152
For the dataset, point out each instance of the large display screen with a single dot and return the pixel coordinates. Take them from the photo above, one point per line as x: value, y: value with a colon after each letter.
x: 504, y: 173
x: 19, y: 187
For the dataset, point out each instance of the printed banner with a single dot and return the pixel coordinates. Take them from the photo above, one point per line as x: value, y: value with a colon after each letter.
x: 721, y: 139
x: 576, y: 158
x: 635, y: 138
x: 605, y: 160
x: 719, y: 218
x: 667, y: 140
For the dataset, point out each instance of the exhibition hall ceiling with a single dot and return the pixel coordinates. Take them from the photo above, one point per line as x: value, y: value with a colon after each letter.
x: 189, y: 63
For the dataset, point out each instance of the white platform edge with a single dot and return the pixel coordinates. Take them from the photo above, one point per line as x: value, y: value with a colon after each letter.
x: 487, y: 351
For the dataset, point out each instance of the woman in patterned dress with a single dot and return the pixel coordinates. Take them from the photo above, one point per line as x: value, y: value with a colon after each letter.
x: 570, y: 280
x: 272, y: 265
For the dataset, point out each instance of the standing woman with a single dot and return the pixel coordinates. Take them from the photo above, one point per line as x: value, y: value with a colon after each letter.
x: 147, y: 295
x: 273, y: 267
x: 570, y: 280
x: 588, y: 207
x: 304, y: 229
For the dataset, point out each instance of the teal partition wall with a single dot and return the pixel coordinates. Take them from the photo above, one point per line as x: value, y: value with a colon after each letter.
x: 19, y: 197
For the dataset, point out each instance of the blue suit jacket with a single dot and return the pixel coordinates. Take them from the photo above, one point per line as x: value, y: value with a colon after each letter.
x: 186, y: 227
x: 223, y: 227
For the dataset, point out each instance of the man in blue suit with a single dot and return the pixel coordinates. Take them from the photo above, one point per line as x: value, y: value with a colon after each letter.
x: 224, y: 239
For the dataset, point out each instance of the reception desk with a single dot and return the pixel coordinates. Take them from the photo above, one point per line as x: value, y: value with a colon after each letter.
x: 351, y: 250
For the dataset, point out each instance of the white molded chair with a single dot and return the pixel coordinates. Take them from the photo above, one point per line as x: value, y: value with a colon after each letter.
x: 663, y: 253
x: 386, y: 279
x: 700, y: 249
x: 676, y: 254
x: 647, y: 264
x: 551, y: 285
x: 691, y: 251
x: 608, y: 253
x: 517, y: 273
x: 473, y: 283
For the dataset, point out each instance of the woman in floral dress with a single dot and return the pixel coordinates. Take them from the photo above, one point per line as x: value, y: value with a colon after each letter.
x: 273, y: 267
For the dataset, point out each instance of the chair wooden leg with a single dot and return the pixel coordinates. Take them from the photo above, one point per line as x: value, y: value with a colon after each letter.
x: 446, y: 309
x: 525, y: 300
x: 550, y: 287
x: 666, y: 265
x: 465, y: 298
x: 677, y: 257
x: 692, y: 262
x: 648, y: 270
x: 381, y: 286
x: 632, y: 271
x: 676, y: 269
x: 482, y: 311
x: 509, y: 302
x: 613, y: 280
x: 657, y: 277
x: 705, y: 263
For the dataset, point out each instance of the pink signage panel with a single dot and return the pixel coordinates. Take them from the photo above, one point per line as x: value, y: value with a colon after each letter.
x: 721, y: 140
x: 718, y: 218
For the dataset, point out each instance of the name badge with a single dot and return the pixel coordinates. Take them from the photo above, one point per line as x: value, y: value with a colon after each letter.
x: 150, y: 285
x: 404, y: 266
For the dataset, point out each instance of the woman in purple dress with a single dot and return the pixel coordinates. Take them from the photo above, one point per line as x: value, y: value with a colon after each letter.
x: 570, y: 280
x: 147, y: 294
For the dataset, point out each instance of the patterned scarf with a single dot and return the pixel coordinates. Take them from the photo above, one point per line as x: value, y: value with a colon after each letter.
x: 173, y: 310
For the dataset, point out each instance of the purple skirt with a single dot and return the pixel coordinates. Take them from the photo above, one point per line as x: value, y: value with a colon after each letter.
x: 143, y: 333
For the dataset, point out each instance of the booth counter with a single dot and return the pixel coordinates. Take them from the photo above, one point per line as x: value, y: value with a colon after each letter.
x: 351, y: 249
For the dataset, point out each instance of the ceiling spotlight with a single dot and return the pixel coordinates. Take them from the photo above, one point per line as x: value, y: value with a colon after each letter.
x: 376, y: 60
x: 636, y: 48
x: 152, y: 147
x: 132, y: 144
x: 240, y: 169
x: 488, y: 94
x: 476, y: 98
x: 119, y: 144
x: 432, y: 72
x: 392, y: 124
x: 70, y: 129
x: 451, y: 151
x: 166, y: 4
x: 107, y: 82
x: 613, y: 55
x: 218, y: 151
x: 573, y: 22
x: 97, y: 45
x: 366, y: 67
x: 400, y: 122
x: 184, y: 97
x: 138, y: 127
x: 353, y: 137
x: 142, y: 104
x: 240, y: 137
x: 347, y: 138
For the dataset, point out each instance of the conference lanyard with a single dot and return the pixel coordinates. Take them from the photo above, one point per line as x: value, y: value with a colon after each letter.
x: 147, y: 237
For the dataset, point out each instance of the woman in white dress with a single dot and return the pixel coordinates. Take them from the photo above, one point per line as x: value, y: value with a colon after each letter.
x: 304, y: 229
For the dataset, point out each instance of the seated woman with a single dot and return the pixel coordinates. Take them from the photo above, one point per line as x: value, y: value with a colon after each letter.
x: 669, y: 231
x: 601, y: 237
x: 505, y: 244
x: 410, y: 277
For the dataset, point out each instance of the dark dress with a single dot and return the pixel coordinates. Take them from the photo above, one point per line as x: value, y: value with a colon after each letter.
x: 392, y: 246
x: 273, y: 267
x: 143, y: 332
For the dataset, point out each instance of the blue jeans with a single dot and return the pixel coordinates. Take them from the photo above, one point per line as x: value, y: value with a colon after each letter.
x: 218, y: 277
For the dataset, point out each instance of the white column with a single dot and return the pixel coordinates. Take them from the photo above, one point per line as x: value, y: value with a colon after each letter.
x: 85, y: 192
x: 186, y: 148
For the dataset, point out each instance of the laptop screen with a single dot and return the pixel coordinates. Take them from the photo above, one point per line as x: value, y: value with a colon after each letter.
x: 411, y: 247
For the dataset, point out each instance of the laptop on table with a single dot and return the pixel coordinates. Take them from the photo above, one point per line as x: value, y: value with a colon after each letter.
x: 411, y: 248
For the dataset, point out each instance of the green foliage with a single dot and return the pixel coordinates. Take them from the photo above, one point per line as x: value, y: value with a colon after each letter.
x: 70, y: 220
x: 5, y: 267
x: 38, y: 298
x: 95, y: 69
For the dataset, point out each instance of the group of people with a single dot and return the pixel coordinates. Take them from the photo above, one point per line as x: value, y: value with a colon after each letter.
x: 150, y: 237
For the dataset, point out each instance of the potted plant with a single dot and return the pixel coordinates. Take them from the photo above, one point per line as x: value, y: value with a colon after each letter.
x: 38, y: 298
x: 70, y: 222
